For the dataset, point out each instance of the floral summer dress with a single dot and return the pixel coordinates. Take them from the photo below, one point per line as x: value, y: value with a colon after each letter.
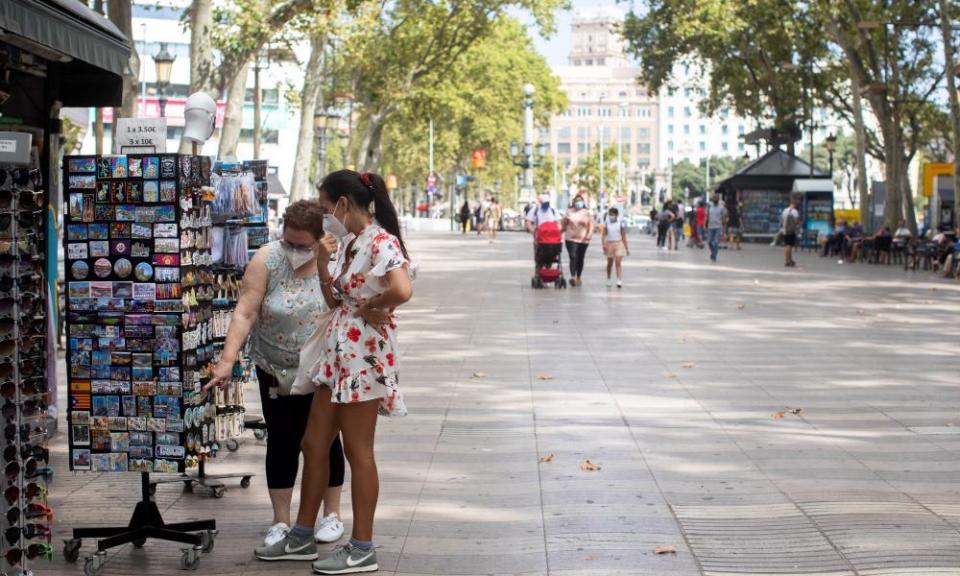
x: 359, y: 360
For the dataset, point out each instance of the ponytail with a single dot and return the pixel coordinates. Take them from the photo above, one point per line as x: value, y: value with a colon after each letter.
x: 383, y: 209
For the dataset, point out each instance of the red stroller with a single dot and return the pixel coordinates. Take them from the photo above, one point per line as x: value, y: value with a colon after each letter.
x: 548, y: 247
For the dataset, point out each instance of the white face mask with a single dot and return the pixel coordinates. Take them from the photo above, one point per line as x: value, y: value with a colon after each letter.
x: 298, y: 258
x: 333, y: 225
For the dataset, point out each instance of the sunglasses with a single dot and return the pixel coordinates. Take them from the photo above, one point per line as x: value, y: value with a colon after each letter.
x: 32, y: 329
x: 29, y: 284
x: 29, y: 532
x: 30, y: 467
x: 27, y: 306
x: 27, y: 370
x: 27, y: 222
x: 26, y: 432
x: 21, y: 199
x: 21, y: 247
x: 21, y: 177
x: 31, y: 386
x: 11, y: 454
x: 30, y: 491
x: 28, y: 409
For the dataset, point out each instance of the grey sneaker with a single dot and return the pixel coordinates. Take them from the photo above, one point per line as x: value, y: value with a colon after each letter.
x: 289, y: 548
x: 347, y: 560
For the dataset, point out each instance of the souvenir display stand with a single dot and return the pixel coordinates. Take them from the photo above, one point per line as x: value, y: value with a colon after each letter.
x: 23, y: 362
x: 139, y: 323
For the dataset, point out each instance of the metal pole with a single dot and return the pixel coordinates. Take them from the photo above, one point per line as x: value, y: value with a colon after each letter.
x: 143, y: 74
x: 603, y: 196
x: 706, y: 181
x: 620, y: 150
x: 257, y: 136
x: 528, y: 138
x: 431, y: 147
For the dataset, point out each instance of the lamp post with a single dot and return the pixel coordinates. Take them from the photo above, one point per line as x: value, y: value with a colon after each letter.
x: 622, y: 111
x: 261, y: 60
x: 830, y: 143
x: 603, y: 196
x: 163, y: 61
x: 525, y: 158
x: 321, y: 122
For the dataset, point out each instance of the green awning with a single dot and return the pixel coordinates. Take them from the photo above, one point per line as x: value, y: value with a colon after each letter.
x: 92, y: 55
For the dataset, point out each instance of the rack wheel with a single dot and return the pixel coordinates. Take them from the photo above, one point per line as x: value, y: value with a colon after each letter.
x: 260, y: 434
x: 139, y: 542
x: 188, y: 485
x: 71, y: 550
x: 245, y: 482
x: 533, y: 282
x: 207, y: 540
x: 153, y: 489
x: 218, y: 491
x: 190, y: 560
x: 94, y: 564
x: 232, y: 445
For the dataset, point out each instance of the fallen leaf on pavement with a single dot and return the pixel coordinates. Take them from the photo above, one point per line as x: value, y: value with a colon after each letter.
x: 545, y: 377
x: 756, y: 282
x: 783, y: 413
x: 689, y: 364
x: 741, y: 306
x: 665, y: 549
x: 590, y: 557
x: 670, y: 375
x: 588, y: 466
x: 547, y: 458
x: 479, y: 375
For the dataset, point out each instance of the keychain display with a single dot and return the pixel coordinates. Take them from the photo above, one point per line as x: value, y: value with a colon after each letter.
x: 27, y: 524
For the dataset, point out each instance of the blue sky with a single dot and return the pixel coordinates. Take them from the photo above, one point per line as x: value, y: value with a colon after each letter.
x: 555, y: 48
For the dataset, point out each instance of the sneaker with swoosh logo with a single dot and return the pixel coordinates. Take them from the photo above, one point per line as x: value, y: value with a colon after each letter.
x: 347, y: 560
x: 289, y: 548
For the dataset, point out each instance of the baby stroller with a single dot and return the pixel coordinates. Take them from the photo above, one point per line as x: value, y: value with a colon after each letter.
x: 548, y: 247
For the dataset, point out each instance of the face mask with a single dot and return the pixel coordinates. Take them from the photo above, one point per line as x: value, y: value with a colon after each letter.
x: 298, y: 258
x: 545, y: 206
x: 578, y: 205
x: 333, y: 225
x: 612, y: 218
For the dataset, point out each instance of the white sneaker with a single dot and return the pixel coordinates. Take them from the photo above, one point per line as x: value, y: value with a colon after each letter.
x: 609, y: 283
x: 276, y: 533
x: 619, y: 284
x: 330, y: 530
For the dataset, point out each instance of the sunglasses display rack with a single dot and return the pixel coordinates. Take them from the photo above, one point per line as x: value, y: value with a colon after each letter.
x: 138, y: 321
x: 23, y: 323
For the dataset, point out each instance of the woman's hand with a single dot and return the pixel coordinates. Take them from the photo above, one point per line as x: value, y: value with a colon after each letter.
x: 325, y: 249
x: 374, y: 316
x: 222, y: 373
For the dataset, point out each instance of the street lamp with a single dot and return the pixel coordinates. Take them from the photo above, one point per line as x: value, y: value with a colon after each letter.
x: 830, y: 143
x: 163, y: 61
x: 320, y: 124
x: 603, y: 195
x: 526, y: 158
x: 622, y: 110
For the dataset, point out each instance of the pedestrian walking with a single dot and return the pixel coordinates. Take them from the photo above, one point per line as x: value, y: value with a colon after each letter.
x: 672, y: 239
x: 790, y: 225
x: 278, y: 309
x: 716, y: 222
x: 478, y: 218
x: 357, y: 372
x: 464, y: 217
x: 615, y: 245
x: 664, y: 224
x: 735, y: 225
x: 681, y: 218
x: 577, y: 227
x: 700, y: 223
x: 492, y: 217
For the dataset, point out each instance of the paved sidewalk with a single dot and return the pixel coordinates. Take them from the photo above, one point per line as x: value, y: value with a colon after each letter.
x: 670, y: 386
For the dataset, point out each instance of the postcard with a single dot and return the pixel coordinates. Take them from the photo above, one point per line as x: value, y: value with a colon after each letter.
x: 118, y: 167
x: 100, y: 423
x: 123, y: 289
x: 138, y: 423
x: 100, y: 439
x: 166, y: 245
x: 80, y: 418
x: 106, y: 406
x: 168, y: 438
x: 80, y: 435
x: 141, y: 452
x: 165, y: 231
x: 140, y: 465
x: 118, y: 191
x: 140, y: 250
x: 168, y: 191
x: 76, y: 231
x: 151, y: 191
x: 102, y: 212
x: 100, y: 462
x: 76, y: 205
x: 145, y: 387
x: 134, y: 167
x: 142, y: 231
x: 141, y: 438
x: 175, y: 424
x: 117, y: 423
x: 88, y: 164
x: 77, y: 251
x: 120, y: 230
x: 142, y: 372
x: 147, y: 291
x: 103, y: 192
x: 165, y: 451
x: 168, y: 166
x: 161, y: 466
x: 118, y: 463
x: 99, y: 248
x: 80, y: 459
x: 126, y: 212
x: 134, y: 191
x: 98, y: 231
x: 82, y: 182
x: 119, y: 441
x: 151, y: 167
x: 156, y: 424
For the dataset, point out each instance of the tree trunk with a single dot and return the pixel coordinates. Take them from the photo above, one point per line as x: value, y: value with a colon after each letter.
x: 309, y: 100
x: 203, y: 68
x: 949, y: 58
x: 861, y: 150
x: 233, y: 115
x: 369, y: 155
x: 120, y: 13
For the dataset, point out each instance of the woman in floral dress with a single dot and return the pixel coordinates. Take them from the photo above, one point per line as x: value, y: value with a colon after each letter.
x: 356, y: 375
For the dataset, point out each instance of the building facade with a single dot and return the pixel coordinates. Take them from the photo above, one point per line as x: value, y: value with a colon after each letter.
x: 606, y: 105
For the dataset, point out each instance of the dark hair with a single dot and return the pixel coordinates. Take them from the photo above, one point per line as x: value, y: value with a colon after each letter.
x: 363, y: 190
x: 580, y: 196
x: 306, y: 215
x: 613, y: 210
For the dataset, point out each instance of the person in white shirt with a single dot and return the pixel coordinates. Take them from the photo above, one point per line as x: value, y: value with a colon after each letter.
x: 615, y: 245
x: 790, y: 224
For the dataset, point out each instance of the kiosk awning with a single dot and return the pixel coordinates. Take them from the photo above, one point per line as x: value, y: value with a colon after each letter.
x: 91, y: 54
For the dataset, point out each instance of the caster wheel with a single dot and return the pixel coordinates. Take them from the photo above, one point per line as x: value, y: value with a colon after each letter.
x: 139, y: 543
x: 71, y: 550
x: 208, y: 539
x: 188, y: 485
x: 260, y: 434
x: 93, y: 564
x: 153, y: 489
x: 533, y: 282
x: 245, y: 482
x: 232, y: 445
x: 218, y: 492
x: 190, y: 560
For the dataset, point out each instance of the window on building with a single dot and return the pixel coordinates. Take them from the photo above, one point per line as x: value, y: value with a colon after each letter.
x: 686, y: 129
x: 670, y: 145
x: 269, y: 136
x: 703, y: 129
x: 270, y: 96
x: 741, y: 147
x: 671, y: 91
x: 563, y: 147
x: 622, y: 94
x: 670, y: 112
x: 583, y: 132
x: 583, y: 147
x: 626, y: 148
x: 174, y: 132
x: 725, y: 147
x: 686, y: 92
x: 644, y: 132
x: 644, y: 148
x: 601, y: 61
x: 643, y: 162
x: 741, y: 129
x: 589, y: 62
x: 625, y: 133
x: 687, y: 112
x: 669, y: 128
x: 563, y: 132
x: 725, y: 129
x: 703, y: 146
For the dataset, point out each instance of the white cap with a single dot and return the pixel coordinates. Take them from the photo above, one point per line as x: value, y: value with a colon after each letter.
x: 200, y: 116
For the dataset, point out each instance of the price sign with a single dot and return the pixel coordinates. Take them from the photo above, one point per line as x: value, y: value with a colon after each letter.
x: 140, y: 136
